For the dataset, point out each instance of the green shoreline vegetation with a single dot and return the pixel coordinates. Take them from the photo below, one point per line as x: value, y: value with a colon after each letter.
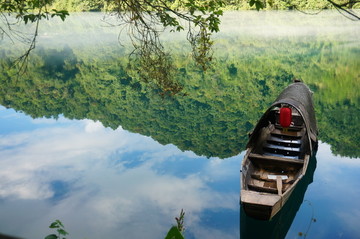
x: 211, y: 116
x: 100, y: 5
x: 214, y: 117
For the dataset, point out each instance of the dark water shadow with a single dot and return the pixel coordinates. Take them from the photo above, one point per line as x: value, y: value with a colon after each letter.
x: 279, y: 225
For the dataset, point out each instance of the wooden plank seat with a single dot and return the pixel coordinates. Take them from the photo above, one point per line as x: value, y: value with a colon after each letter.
x: 278, y: 189
x: 282, y: 154
x: 263, y: 189
x: 266, y: 179
x: 255, y: 157
x: 275, y: 186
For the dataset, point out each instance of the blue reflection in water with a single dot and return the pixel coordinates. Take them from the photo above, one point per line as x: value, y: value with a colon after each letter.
x: 221, y: 219
x: 105, y: 183
x: 130, y: 160
x: 12, y: 122
x: 180, y: 166
x: 61, y: 190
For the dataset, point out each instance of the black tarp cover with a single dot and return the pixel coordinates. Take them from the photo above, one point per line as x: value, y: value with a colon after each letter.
x: 299, y: 96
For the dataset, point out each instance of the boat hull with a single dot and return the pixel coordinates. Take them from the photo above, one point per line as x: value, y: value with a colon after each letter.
x: 277, y: 156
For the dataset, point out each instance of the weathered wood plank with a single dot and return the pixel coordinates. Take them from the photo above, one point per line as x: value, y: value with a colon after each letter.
x: 259, y: 198
x: 266, y: 179
x: 275, y: 158
x: 259, y: 188
x: 279, y: 185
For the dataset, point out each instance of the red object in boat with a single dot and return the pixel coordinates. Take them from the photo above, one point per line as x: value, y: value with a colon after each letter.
x: 285, y: 117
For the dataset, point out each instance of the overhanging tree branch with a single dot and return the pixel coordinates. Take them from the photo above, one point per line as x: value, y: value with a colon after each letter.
x: 343, y: 8
x: 26, y: 11
x: 145, y: 20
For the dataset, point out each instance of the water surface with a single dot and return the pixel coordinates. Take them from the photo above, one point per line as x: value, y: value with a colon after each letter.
x: 85, y: 140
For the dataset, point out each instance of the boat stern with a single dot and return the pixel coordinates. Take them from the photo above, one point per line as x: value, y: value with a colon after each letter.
x: 261, y: 206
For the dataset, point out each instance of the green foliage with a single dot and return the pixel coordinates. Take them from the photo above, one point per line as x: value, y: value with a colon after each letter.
x: 199, y: 18
x: 60, y: 229
x: 175, y: 232
x: 258, y: 4
x: 216, y: 109
x: 31, y: 10
x: 202, y: 6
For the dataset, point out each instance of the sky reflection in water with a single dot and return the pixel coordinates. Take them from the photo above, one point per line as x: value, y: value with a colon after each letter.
x: 105, y: 183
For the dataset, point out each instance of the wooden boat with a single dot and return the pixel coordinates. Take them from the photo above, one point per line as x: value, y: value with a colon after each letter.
x: 280, y: 224
x: 278, y: 152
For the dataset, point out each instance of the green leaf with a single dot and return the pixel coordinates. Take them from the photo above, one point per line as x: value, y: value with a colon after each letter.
x: 258, y: 4
x: 179, y: 28
x: 218, y: 12
x: 51, y: 236
x: 59, y: 223
x: 54, y: 225
x: 62, y: 232
x: 174, y: 233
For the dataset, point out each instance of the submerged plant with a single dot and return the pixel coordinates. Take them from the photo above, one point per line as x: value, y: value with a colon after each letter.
x: 312, y: 220
x: 60, y: 229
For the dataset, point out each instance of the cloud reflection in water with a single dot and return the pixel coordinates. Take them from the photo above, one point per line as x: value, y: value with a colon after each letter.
x: 105, y: 183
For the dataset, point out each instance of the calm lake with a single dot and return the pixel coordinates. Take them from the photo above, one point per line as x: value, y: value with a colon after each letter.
x: 85, y: 140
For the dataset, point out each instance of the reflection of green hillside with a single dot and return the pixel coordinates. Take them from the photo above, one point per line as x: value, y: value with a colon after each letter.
x: 340, y: 128
x: 338, y: 98
x: 221, y: 105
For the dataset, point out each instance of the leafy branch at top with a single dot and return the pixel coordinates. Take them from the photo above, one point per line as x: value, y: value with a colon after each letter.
x: 343, y: 8
x: 31, y: 10
x: 27, y: 11
x: 145, y: 20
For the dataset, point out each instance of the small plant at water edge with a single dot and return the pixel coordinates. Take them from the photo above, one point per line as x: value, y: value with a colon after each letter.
x: 60, y: 229
x: 176, y: 231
